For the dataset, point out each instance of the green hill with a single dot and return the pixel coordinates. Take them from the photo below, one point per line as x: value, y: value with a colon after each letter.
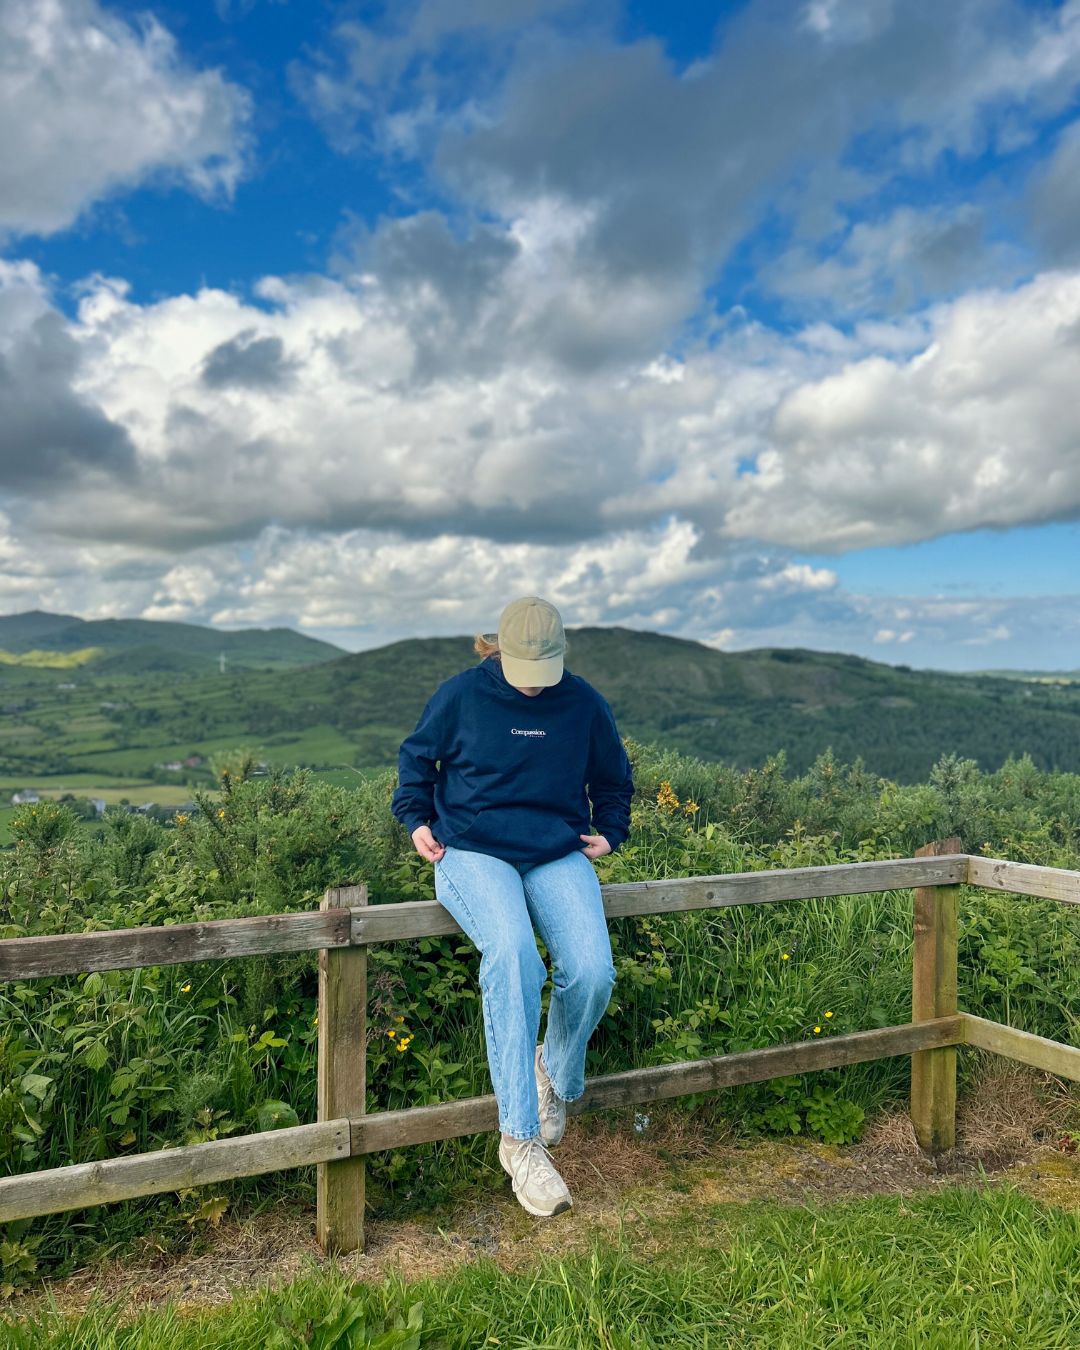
x: 738, y: 707
x: 21, y: 632
x: 147, y: 644
x: 141, y: 708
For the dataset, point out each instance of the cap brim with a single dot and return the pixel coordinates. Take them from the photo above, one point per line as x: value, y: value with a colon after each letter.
x: 532, y: 674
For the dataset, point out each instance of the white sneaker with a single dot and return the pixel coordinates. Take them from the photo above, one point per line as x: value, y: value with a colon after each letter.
x: 539, y: 1188
x: 552, y: 1106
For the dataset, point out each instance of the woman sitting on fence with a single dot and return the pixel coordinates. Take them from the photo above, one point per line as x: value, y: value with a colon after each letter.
x: 495, y: 786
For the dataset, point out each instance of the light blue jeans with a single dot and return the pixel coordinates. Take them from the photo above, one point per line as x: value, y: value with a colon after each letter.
x: 498, y: 906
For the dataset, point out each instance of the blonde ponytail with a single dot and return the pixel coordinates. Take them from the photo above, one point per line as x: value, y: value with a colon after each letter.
x: 484, y: 647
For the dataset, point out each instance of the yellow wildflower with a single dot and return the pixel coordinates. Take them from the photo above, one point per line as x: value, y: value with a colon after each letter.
x: 666, y: 799
x: 221, y: 815
x: 391, y: 1034
x: 186, y: 989
x: 785, y: 957
x: 817, y: 1031
x: 828, y: 1014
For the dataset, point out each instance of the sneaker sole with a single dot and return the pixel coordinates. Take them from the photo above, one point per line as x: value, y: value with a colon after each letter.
x: 560, y: 1208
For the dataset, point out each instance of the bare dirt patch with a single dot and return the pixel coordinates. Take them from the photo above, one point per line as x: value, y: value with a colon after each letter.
x: 1013, y: 1128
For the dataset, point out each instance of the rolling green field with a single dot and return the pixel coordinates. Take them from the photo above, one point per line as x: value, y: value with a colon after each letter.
x: 104, y: 728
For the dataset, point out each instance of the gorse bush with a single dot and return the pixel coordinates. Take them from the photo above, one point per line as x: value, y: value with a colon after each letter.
x: 107, y: 1064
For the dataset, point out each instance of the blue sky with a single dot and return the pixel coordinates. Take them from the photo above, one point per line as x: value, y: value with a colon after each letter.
x: 1014, y: 563
x: 755, y: 323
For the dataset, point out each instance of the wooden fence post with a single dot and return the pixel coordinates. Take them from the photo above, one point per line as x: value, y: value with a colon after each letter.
x: 342, y: 1081
x: 933, y: 994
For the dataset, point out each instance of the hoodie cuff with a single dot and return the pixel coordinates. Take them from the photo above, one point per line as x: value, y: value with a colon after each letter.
x: 413, y: 821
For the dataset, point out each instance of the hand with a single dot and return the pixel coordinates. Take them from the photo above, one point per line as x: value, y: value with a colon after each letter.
x: 595, y: 845
x: 427, y: 845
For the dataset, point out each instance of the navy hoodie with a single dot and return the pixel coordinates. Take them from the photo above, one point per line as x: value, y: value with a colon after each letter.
x: 494, y: 771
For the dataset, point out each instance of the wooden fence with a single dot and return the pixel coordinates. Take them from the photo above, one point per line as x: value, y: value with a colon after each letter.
x: 343, y: 928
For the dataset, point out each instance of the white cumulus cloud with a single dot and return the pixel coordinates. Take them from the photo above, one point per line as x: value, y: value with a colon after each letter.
x: 203, y: 418
x: 91, y: 103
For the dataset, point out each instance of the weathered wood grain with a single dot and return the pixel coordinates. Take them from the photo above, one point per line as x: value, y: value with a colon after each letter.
x: 1053, y: 883
x: 75, y: 953
x: 403, y: 922
x: 766, y: 888
x: 172, y: 944
x: 173, y: 1169
x: 933, y: 995
x: 1061, y: 1060
x: 449, y: 1120
x: 424, y: 1124
x: 427, y: 918
x: 342, y: 1080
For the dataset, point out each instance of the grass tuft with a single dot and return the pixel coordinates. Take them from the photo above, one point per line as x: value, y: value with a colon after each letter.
x: 949, y: 1270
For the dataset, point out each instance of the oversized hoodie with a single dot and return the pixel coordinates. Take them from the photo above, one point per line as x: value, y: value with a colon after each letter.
x: 494, y: 771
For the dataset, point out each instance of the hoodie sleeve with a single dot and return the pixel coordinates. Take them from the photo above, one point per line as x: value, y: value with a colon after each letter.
x: 414, y: 801
x: 610, y: 779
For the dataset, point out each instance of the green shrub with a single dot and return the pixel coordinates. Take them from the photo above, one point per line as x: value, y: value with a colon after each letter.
x: 99, y: 1066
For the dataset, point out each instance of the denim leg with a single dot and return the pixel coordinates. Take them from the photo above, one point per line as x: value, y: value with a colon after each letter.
x: 566, y: 907
x: 486, y: 897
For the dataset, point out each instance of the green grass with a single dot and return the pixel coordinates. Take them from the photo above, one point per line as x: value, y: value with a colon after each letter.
x: 958, y: 1269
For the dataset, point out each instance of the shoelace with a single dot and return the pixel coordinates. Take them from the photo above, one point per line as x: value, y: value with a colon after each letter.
x: 541, y: 1168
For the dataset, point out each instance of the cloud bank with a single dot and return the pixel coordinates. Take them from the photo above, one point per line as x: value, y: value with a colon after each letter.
x: 204, y: 419
x: 550, y: 376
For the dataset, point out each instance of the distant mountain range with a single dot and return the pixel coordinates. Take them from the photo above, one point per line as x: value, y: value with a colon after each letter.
x: 135, y: 698
x: 41, y: 641
x: 738, y: 707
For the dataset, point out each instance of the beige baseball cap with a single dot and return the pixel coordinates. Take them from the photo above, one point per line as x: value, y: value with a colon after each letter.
x: 532, y: 643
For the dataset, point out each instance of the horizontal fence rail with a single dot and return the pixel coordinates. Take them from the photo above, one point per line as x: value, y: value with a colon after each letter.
x: 174, y: 1169
x: 1063, y: 1061
x: 171, y: 1169
x: 339, y: 1145
x: 32, y: 958
x: 173, y: 944
x: 450, y: 1120
x: 1051, y: 883
x: 625, y: 899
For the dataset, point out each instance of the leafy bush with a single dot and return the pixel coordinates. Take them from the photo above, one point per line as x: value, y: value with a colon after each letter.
x: 107, y: 1064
